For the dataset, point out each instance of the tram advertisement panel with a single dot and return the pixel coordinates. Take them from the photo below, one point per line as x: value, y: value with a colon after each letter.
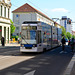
x: 54, y: 36
x: 59, y: 35
x: 46, y: 34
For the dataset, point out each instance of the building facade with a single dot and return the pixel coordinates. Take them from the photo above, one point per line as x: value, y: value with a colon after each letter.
x: 5, y: 7
x: 73, y: 33
x: 28, y: 13
x: 66, y: 23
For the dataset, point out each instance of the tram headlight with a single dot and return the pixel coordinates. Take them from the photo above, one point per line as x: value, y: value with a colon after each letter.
x: 33, y: 45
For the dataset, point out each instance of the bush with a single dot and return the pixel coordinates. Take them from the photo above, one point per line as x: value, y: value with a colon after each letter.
x: 16, y: 37
x: 12, y: 36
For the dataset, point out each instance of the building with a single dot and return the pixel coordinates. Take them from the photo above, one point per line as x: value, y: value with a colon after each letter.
x: 66, y: 23
x: 5, y: 6
x: 73, y: 33
x: 28, y: 13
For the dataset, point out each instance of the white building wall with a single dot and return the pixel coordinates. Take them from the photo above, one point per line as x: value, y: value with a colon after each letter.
x: 62, y: 23
x: 19, y: 18
x: 43, y: 19
x: 7, y: 1
x: 68, y: 26
x: 7, y: 26
x: 28, y: 17
x: 5, y: 21
x: 0, y: 11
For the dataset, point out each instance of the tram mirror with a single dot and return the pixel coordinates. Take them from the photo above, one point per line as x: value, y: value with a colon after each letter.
x: 22, y: 37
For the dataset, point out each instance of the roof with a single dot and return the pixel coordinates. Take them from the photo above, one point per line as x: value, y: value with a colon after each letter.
x: 73, y: 31
x: 27, y: 8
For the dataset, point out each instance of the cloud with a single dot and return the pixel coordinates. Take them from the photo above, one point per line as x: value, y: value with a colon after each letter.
x: 46, y: 9
x: 59, y: 10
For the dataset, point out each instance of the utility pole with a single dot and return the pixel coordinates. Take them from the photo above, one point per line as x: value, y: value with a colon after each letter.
x: 56, y: 19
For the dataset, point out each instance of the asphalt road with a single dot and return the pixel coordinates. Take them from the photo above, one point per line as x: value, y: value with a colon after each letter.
x: 52, y: 62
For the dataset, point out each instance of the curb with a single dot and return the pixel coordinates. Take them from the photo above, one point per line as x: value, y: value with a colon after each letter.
x: 10, y: 45
x: 70, y: 66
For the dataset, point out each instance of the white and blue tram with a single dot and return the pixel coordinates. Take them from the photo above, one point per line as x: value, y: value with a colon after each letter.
x: 39, y: 36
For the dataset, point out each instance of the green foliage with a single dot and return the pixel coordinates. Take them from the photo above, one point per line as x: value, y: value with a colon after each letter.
x: 73, y: 36
x: 68, y: 35
x: 16, y: 37
x: 12, y: 36
x: 12, y: 27
x: 63, y: 31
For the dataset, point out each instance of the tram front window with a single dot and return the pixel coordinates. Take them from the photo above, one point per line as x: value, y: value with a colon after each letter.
x: 28, y: 37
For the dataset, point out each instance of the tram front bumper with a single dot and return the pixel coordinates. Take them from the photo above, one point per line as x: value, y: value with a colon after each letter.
x: 23, y: 49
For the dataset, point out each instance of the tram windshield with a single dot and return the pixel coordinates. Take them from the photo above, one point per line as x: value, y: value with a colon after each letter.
x: 28, y: 36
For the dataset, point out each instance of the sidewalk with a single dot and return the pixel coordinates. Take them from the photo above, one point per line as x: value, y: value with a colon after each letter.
x: 70, y: 70
x: 10, y: 45
x: 73, y: 68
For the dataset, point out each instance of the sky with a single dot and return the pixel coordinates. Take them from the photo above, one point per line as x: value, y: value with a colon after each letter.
x: 51, y: 8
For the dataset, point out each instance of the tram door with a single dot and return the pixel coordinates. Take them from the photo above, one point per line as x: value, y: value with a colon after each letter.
x: 38, y: 37
x: 39, y: 41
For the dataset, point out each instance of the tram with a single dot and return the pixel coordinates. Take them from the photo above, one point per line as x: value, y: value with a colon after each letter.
x: 39, y: 36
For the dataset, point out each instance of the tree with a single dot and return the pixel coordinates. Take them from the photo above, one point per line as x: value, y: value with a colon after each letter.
x: 73, y: 36
x: 12, y: 27
x: 68, y: 35
x: 63, y: 31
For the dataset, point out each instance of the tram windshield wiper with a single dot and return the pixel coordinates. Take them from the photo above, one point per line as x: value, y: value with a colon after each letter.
x: 23, y: 37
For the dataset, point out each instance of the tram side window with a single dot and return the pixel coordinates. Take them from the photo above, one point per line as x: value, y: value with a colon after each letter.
x: 39, y: 37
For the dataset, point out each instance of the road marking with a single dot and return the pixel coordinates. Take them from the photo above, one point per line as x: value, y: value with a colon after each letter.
x: 4, y: 57
x: 70, y: 66
x: 12, y: 60
x: 30, y: 73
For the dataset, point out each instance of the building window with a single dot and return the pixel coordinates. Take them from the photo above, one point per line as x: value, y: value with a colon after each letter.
x: 8, y: 13
x: 1, y: 10
x: 4, y: 11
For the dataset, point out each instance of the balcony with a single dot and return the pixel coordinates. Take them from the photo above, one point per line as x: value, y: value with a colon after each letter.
x: 4, y: 20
